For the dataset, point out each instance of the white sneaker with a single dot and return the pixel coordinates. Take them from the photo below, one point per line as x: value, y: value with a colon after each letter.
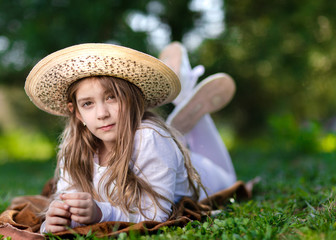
x: 209, y: 96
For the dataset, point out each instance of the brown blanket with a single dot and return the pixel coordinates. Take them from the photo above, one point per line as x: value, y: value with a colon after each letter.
x: 22, y: 219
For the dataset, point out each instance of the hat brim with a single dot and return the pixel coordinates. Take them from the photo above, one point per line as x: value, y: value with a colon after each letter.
x: 49, y: 80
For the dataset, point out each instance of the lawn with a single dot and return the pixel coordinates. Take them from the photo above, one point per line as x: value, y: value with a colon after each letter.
x: 294, y: 200
x: 23, y: 178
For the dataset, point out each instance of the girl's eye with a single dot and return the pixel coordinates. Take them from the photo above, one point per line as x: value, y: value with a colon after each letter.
x: 110, y: 98
x: 86, y: 104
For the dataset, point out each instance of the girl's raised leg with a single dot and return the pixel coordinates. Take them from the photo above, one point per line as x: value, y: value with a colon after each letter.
x: 193, y: 105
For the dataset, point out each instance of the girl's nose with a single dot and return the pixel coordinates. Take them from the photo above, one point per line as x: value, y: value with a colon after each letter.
x: 102, y: 111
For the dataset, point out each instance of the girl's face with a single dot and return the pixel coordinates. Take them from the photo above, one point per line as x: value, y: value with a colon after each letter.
x: 98, y: 109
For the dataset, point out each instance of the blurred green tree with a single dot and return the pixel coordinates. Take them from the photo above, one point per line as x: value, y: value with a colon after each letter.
x: 31, y: 29
x: 282, y: 56
x: 280, y: 53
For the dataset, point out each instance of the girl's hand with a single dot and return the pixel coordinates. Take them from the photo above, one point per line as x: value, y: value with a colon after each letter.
x: 82, y: 207
x: 57, y: 217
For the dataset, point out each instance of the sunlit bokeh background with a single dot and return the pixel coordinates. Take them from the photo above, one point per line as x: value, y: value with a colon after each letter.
x: 281, y: 54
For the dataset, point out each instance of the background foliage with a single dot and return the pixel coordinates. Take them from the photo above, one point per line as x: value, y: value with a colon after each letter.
x: 280, y: 53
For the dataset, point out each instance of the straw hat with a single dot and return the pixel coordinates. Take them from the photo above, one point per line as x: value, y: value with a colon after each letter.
x: 47, y: 83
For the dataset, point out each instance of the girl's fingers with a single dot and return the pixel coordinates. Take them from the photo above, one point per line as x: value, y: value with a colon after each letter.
x: 55, y: 229
x: 56, y: 224
x: 81, y: 219
x: 78, y: 199
x: 59, y: 204
x: 79, y: 211
x: 58, y: 221
x: 58, y: 212
x: 75, y: 195
x: 58, y: 216
x: 82, y: 207
x: 58, y: 209
x: 75, y: 203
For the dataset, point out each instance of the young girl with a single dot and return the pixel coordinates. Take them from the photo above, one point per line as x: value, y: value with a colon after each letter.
x: 117, y: 161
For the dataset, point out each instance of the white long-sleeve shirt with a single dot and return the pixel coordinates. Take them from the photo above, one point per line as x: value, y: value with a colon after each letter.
x: 161, y: 164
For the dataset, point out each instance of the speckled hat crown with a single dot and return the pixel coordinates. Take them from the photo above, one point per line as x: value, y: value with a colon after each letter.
x: 49, y: 80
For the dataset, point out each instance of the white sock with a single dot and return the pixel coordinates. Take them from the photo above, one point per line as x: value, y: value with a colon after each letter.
x: 205, y: 140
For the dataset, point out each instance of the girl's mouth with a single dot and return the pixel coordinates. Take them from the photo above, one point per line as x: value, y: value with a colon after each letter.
x: 107, y: 127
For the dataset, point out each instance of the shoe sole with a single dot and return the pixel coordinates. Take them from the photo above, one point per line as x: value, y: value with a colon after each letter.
x: 211, y: 95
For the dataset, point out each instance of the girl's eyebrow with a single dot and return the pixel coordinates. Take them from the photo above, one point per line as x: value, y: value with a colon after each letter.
x: 89, y: 98
x: 83, y: 99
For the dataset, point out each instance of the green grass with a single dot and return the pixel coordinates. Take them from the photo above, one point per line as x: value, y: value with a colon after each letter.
x: 23, y: 178
x: 294, y: 200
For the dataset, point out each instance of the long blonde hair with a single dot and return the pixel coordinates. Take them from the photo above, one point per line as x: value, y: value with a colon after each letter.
x: 78, y: 146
